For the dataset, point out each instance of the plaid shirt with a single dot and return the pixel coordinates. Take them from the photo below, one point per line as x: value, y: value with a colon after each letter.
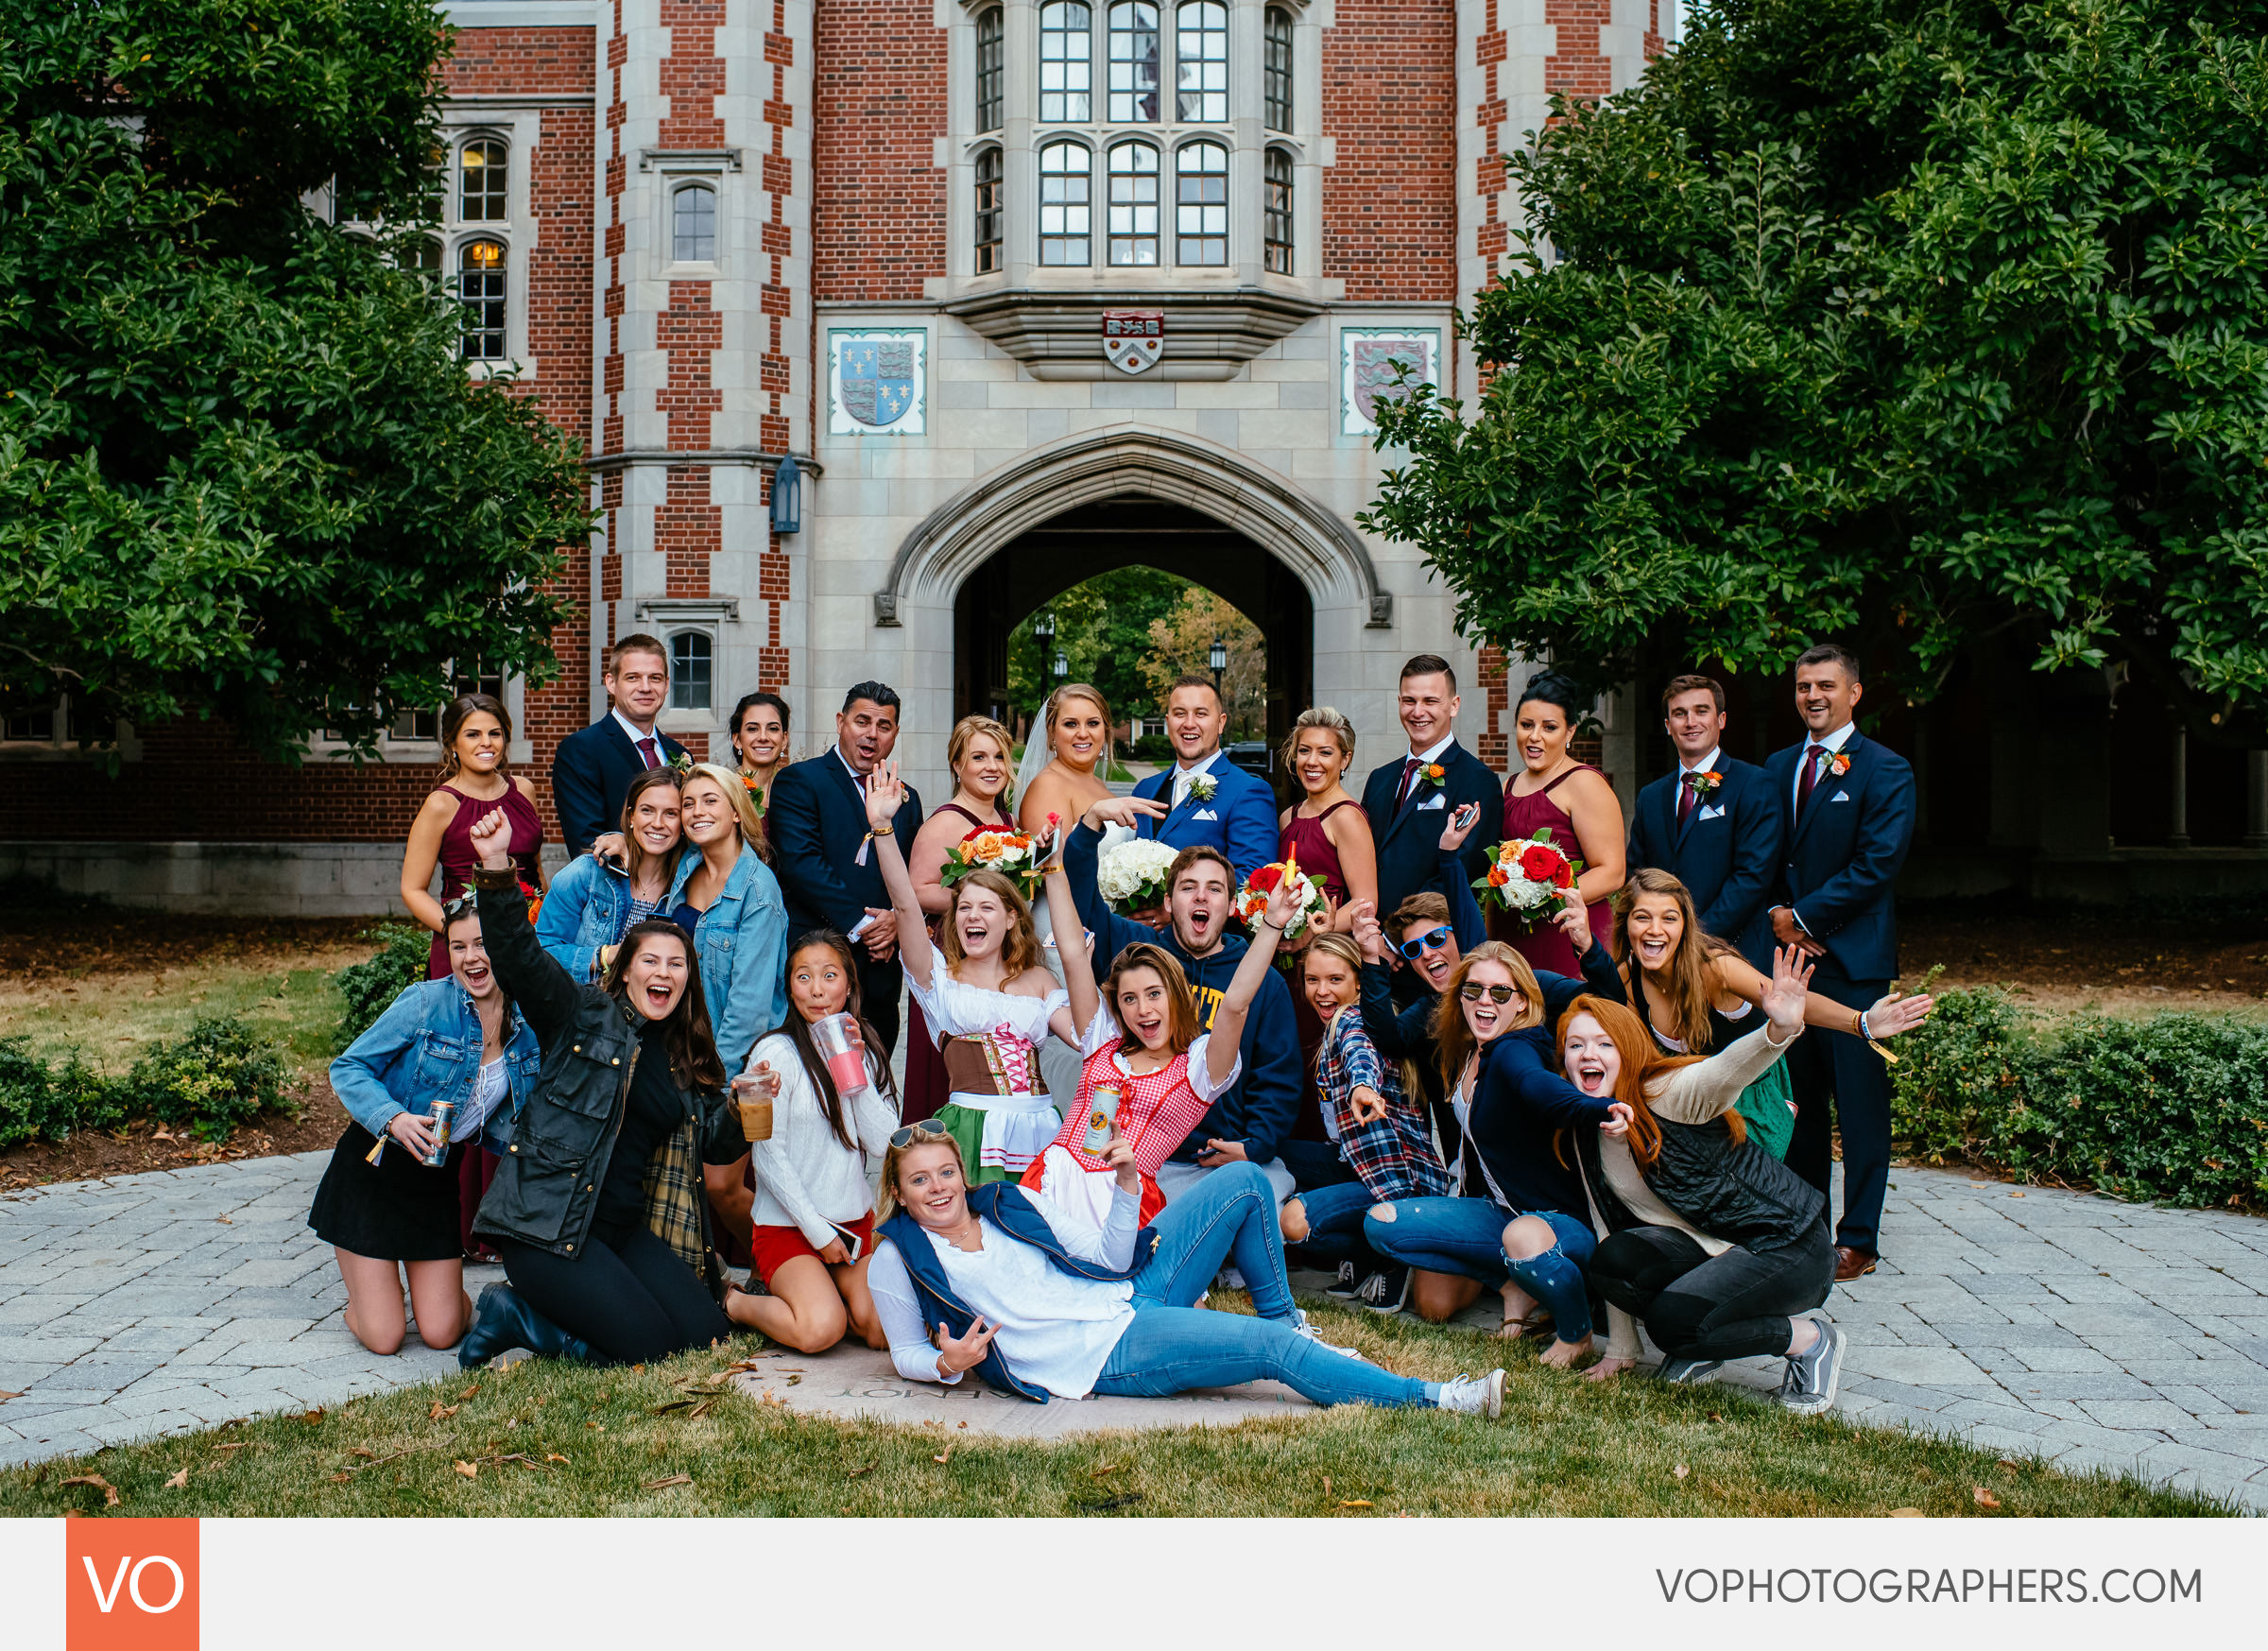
x: 676, y: 1199
x: 1394, y: 1155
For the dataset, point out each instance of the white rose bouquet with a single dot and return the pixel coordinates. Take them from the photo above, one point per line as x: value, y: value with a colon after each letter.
x: 1131, y: 875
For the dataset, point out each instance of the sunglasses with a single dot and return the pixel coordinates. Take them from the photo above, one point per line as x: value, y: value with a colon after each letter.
x: 1431, y: 940
x: 901, y: 1139
x: 1473, y: 991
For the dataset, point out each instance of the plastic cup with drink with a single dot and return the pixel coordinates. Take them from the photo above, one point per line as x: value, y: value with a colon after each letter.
x: 835, y: 1036
x: 752, y: 1093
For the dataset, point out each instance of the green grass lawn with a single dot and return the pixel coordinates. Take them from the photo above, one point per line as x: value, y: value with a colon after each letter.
x: 548, y: 1439
x: 113, y: 1019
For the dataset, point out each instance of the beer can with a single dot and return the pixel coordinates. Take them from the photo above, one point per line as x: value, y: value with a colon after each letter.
x: 1102, y: 1115
x: 438, y: 1124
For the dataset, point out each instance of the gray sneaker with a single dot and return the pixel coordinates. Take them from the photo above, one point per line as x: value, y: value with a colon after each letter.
x: 1808, y: 1385
x: 1474, y: 1395
x: 1689, y: 1373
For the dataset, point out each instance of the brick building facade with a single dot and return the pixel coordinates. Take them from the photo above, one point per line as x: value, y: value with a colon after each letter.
x: 882, y: 236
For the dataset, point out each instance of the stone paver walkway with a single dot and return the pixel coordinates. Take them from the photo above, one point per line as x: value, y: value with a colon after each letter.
x: 2094, y: 1333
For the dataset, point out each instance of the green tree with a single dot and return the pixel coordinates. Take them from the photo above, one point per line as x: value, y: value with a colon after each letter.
x: 1182, y: 642
x: 243, y: 474
x: 1907, y: 322
x: 1103, y: 629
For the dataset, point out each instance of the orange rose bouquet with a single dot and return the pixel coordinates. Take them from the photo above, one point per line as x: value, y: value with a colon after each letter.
x: 1528, y: 877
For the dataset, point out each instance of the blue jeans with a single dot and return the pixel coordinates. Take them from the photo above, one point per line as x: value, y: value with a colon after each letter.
x: 1173, y: 1345
x: 1466, y: 1237
x: 1335, y: 1225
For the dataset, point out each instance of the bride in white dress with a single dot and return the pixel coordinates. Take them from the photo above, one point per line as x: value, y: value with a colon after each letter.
x: 1065, y: 759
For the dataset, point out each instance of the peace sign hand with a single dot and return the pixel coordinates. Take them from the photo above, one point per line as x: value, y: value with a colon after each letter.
x: 964, y: 1352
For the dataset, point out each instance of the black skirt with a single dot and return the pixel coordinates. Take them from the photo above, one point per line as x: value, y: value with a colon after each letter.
x: 396, y: 1210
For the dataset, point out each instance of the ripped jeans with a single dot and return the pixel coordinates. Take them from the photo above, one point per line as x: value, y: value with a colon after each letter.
x: 1466, y: 1237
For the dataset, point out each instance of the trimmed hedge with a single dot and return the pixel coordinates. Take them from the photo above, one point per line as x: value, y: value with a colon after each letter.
x: 2172, y: 1108
x: 218, y: 1076
x: 369, y: 989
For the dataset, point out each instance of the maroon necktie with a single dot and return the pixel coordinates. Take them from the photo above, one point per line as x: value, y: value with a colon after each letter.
x: 646, y: 749
x: 1409, y: 773
x: 1811, y: 776
x: 1685, y: 799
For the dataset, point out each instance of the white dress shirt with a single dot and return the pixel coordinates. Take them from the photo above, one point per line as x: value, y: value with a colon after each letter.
x: 637, y: 733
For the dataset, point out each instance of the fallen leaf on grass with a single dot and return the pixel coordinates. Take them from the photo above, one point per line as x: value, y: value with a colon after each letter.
x: 442, y: 1412
x: 467, y: 1469
x: 110, y: 1491
x: 1680, y: 1470
x: 637, y: 1370
x: 960, y: 1424
x: 1983, y: 1497
x: 555, y: 1457
x: 1907, y: 1513
x: 946, y: 1457
x: 666, y: 1484
x: 240, y: 1445
x: 313, y: 1419
x: 1327, y: 1485
x: 365, y: 1453
x: 598, y: 1426
x: 341, y: 1478
x: 2007, y: 1466
x: 180, y: 1480
x: 468, y: 1392
x: 793, y: 1380
x: 1099, y: 1472
x: 1354, y: 1505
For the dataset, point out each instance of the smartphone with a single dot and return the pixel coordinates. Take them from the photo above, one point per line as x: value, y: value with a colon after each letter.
x: 1466, y: 814
x: 853, y: 1243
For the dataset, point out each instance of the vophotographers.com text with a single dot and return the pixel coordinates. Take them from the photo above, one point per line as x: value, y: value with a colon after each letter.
x: 1916, y: 1585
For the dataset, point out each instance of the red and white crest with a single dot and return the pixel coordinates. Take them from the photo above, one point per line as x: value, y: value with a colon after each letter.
x: 1133, y: 339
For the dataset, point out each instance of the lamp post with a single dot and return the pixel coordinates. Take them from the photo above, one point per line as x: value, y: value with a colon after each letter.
x: 1217, y: 657
x: 787, y: 496
x: 1062, y: 666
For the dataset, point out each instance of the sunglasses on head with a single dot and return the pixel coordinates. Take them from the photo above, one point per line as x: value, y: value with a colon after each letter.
x: 1473, y: 991
x: 1431, y: 940
x: 901, y: 1139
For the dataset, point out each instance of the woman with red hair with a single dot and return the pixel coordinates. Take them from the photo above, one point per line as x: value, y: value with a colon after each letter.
x: 1709, y: 1240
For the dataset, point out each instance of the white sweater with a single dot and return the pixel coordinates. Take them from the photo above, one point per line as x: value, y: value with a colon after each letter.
x: 805, y: 1177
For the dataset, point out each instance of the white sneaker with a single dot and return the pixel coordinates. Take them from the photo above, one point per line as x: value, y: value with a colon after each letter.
x: 1474, y: 1395
x: 1298, y: 1321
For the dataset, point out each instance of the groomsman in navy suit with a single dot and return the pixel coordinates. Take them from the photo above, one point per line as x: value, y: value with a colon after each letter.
x: 1848, y: 807
x: 1714, y: 824
x: 591, y: 774
x: 1408, y: 802
x: 1209, y: 800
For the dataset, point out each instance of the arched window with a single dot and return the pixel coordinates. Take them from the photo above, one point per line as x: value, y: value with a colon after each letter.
x: 1275, y: 214
x: 693, y: 223
x: 690, y: 659
x: 480, y: 275
x: 1066, y: 204
x: 1201, y: 61
x: 988, y: 259
x: 1066, y: 62
x: 1134, y: 205
x: 989, y: 76
x: 1133, y: 61
x: 480, y: 175
x: 1276, y: 92
x: 1201, y: 204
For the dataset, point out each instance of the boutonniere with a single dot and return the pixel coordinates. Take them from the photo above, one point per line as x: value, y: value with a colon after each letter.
x: 1203, y: 786
x: 755, y: 793
x: 1839, y: 765
x: 681, y: 761
x: 1433, y: 774
x: 1706, y: 783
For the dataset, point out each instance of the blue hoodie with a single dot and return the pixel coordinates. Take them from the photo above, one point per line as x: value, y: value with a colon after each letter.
x: 1262, y: 1105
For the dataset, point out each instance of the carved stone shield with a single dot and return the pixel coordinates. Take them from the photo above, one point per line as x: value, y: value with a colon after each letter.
x: 1133, y: 339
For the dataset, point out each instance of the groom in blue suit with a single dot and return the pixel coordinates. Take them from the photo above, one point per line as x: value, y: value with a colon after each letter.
x: 1847, y: 807
x: 1209, y: 800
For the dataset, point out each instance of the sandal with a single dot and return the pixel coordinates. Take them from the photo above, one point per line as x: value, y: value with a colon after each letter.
x: 1537, y: 1321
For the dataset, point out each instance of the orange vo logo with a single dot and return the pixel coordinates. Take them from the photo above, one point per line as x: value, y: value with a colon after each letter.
x: 130, y: 1583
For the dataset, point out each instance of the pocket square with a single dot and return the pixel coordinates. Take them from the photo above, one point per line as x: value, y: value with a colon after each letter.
x: 1713, y: 811
x: 1435, y: 801
x: 1206, y: 814
x: 1840, y: 797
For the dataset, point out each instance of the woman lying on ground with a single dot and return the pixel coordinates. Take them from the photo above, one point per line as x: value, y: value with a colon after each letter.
x: 1694, y: 992
x: 630, y: 1087
x: 595, y: 899
x: 1491, y: 1030
x: 1710, y: 1241
x: 381, y: 1205
x: 1379, y: 1148
x: 987, y: 999
x: 1043, y: 1303
x: 1143, y: 1044
x: 812, y: 1218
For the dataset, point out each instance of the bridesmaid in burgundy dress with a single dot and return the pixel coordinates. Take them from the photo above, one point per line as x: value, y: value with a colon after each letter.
x: 1579, y: 806
x: 978, y: 755
x: 476, y: 730
x: 1330, y: 834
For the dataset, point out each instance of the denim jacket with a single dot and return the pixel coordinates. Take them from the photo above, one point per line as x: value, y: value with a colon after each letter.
x: 742, y: 947
x: 585, y: 907
x: 426, y: 1048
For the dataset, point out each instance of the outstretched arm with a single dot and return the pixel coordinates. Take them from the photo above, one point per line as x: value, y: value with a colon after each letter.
x: 546, y: 994
x: 886, y: 794
x: 1071, y: 946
